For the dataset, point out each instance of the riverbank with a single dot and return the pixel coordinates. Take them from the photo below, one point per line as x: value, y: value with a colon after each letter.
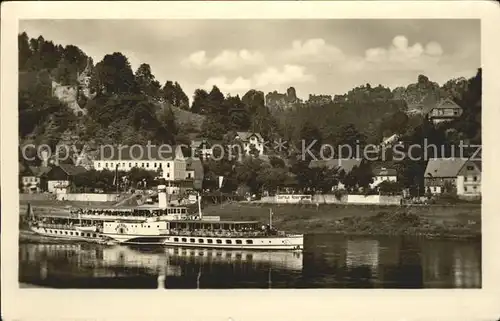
x: 429, y: 221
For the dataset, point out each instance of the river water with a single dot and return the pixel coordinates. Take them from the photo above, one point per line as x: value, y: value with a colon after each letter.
x: 328, y: 261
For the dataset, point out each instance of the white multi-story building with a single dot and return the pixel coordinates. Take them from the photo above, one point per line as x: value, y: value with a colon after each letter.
x: 168, y: 161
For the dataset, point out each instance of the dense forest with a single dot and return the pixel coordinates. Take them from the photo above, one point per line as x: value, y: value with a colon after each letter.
x: 127, y: 107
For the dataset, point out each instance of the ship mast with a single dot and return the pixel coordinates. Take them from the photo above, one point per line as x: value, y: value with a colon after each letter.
x: 199, y: 206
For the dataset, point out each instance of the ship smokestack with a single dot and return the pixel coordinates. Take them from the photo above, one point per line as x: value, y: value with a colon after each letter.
x: 162, y: 196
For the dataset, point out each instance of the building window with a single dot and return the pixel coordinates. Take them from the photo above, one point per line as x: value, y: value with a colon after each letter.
x: 168, y: 164
x: 184, y: 239
x: 129, y: 165
x: 200, y: 241
x: 210, y: 241
x: 470, y: 168
x: 475, y: 178
x: 465, y: 188
x: 228, y: 242
x: 189, y: 175
x: 99, y: 164
x: 176, y: 239
x: 191, y: 240
x: 219, y: 241
x: 123, y: 164
x: 154, y: 165
x: 238, y: 241
x: 168, y: 174
x: 249, y: 242
x: 142, y: 165
x: 106, y: 165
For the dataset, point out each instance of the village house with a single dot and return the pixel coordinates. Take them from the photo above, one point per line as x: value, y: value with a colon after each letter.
x: 168, y: 161
x: 458, y: 175
x: 59, y: 177
x: 202, y: 148
x: 469, y: 180
x: 195, y: 173
x: 343, y: 164
x: 251, y: 140
x: 445, y: 110
x: 383, y: 174
x: 33, y: 178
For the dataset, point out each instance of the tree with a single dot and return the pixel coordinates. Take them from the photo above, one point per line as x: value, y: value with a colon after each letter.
x: 359, y: 177
x: 200, y: 102
x: 350, y: 136
x: 390, y: 188
x: 271, y: 178
x: 247, y: 171
x: 309, y: 135
x: 215, y: 102
x: 212, y: 128
x: 146, y: 82
x: 65, y: 73
x: 25, y: 52
x: 113, y: 75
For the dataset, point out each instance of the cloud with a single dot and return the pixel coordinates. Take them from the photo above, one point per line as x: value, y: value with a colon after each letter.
x: 239, y: 84
x: 314, y: 50
x: 229, y: 59
x: 196, y: 59
x: 400, y: 55
x: 226, y: 59
x: 291, y: 74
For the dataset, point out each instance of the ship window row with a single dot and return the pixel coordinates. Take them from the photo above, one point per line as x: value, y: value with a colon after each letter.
x: 210, y: 241
x: 129, y: 165
x: 72, y: 233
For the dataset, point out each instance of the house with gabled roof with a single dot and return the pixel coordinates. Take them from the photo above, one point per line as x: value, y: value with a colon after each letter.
x: 33, y: 178
x: 445, y: 110
x: 383, y: 173
x: 60, y: 177
x: 202, y: 148
x: 251, y: 140
x: 459, y: 174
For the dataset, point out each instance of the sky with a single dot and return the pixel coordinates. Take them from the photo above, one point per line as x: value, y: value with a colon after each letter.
x: 314, y: 56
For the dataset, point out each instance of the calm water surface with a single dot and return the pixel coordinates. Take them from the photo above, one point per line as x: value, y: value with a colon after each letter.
x: 329, y: 261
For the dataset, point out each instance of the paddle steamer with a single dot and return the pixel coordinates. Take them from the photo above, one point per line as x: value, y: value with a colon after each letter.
x: 170, y: 226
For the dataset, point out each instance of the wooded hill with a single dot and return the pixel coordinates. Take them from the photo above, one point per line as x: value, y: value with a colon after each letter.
x: 128, y: 107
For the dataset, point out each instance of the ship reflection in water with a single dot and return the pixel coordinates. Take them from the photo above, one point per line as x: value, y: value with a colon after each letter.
x: 329, y: 261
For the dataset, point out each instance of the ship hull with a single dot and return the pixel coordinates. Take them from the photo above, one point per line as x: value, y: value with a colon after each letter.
x: 67, y: 234
x: 293, y: 242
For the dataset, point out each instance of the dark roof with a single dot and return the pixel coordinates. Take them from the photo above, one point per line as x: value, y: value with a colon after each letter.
x: 382, y: 171
x: 40, y: 170
x: 244, y: 136
x: 346, y: 164
x: 140, y: 153
x: 447, y: 103
x: 444, y: 167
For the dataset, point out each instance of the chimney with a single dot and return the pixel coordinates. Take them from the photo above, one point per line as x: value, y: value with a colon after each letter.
x: 45, y: 158
x: 162, y: 196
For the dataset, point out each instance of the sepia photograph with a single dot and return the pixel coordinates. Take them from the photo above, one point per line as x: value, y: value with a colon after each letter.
x: 327, y: 154
x: 233, y: 151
